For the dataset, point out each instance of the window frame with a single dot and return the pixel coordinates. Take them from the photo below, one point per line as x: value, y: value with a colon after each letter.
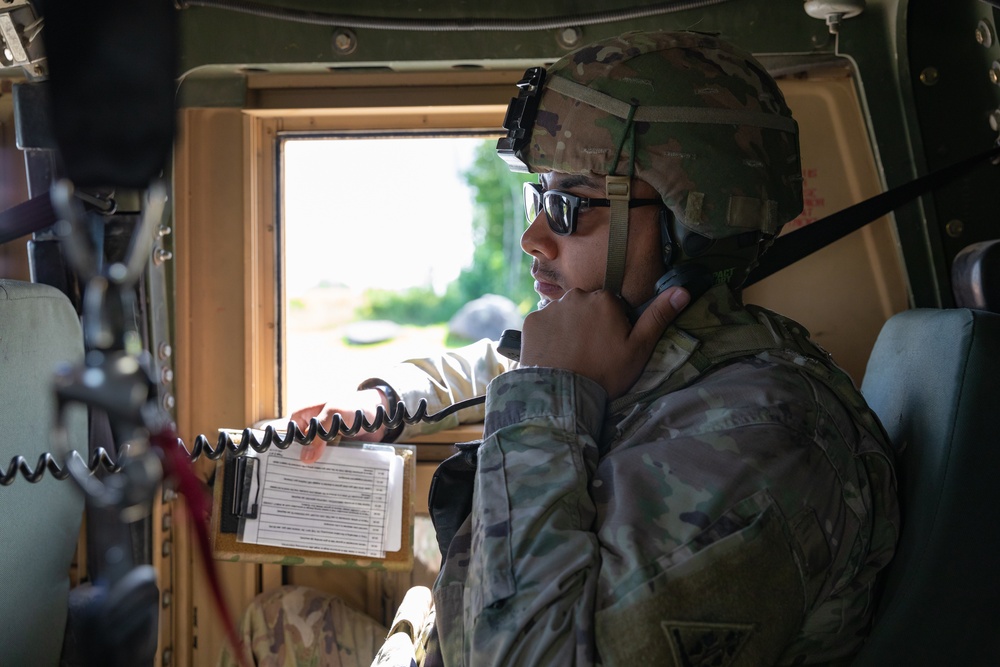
x: 228, y: 305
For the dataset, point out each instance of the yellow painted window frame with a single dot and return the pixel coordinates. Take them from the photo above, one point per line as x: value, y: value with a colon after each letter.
x: 227, y: 298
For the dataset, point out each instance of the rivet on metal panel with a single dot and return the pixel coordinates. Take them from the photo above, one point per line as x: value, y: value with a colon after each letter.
x: 345, y: 42
x: 168, y: 598
x: 166, y: 375
x: 569, y: 38
x: 168, y: 522
x: 164, y: 230
x: 954, y: 228
x: 168, y: 401
x: 995, y: 72
x: 169, y: 495
x: 929, y: 76
x: 161, y: 255
x: 163, y: 350
x: 984, y: 34
x: 166, y: 549
x: 995, y: 120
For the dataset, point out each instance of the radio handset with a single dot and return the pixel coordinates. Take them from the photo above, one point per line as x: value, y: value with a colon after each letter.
x: 510, y: 344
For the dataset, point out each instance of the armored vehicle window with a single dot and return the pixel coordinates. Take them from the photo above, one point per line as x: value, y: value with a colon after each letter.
x: 384, y: 240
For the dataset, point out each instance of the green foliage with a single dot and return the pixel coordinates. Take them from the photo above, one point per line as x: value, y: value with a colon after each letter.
x: 416, y: 305
x: 499, y: 266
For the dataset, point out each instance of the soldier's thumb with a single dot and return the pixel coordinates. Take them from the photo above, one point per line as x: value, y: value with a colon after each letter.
x: 658, y: 316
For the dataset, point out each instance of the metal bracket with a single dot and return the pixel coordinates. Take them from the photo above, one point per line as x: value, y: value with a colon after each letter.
x: 20, y: 26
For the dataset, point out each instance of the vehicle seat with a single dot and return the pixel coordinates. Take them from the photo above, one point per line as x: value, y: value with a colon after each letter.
x: 39, y: 523
x: 933, y: 378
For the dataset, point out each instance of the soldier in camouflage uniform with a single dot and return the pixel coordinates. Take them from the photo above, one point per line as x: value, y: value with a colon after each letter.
x: 295, y: 626
x: 712, y: 492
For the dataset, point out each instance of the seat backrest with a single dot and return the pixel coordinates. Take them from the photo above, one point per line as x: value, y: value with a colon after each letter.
x: 934, y: 380
x: 39, y: 523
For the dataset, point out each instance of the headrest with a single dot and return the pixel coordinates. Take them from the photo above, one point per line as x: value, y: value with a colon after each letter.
x: 975, y: 276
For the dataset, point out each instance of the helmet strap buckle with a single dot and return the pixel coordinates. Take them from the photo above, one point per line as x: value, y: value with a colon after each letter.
x: 618, y: 187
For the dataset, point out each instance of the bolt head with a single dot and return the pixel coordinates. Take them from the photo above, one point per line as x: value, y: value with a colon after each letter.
x: 345, y: 42
x: 984, y: 34
x: 569, y: 38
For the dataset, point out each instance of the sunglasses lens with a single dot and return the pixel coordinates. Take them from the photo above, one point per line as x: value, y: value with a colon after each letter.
x: 532, y: 201
x: 559, y: 210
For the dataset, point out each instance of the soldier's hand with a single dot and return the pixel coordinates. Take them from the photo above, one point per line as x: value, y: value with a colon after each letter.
x: 589, y: 333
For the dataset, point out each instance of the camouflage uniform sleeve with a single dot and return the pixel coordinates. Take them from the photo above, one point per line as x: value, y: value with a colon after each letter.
x: 444, y: 380
x: 534, y: 558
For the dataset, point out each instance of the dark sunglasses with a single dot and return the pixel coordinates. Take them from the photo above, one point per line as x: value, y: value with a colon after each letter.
x: 562, y: 208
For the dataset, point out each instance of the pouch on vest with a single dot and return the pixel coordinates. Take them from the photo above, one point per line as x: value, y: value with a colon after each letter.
x: 450, y: 497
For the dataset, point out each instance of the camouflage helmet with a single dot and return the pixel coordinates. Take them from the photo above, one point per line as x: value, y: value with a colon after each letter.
x: 695, y: 117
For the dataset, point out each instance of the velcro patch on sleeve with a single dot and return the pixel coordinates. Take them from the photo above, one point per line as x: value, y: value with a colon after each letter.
x: 705, y: 644
x: 737, y: 601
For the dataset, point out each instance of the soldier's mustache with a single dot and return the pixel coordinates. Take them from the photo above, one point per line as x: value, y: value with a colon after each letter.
x: 545, y: 274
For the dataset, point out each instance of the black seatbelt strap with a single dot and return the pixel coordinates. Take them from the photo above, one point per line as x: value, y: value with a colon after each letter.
x: 26, y: 218
x: 803, y: 242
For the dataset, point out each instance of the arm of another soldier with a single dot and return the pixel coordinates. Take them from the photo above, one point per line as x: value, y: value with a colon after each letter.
x: 443, y: 380
x: 440, y: 380
x: 534, y: 556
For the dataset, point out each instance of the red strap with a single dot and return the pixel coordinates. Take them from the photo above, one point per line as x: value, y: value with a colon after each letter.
x: 177, y: 466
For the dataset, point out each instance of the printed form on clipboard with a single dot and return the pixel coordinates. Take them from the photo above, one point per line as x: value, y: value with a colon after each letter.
x: 349, y: 501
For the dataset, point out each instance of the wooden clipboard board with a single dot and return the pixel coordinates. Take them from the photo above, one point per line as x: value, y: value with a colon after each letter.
x: 227, y: 546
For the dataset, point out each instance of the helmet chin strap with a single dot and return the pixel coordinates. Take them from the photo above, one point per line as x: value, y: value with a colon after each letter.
x: 618, y: 190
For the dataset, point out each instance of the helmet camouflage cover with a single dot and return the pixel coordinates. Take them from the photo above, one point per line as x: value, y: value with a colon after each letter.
x: 709, y: 128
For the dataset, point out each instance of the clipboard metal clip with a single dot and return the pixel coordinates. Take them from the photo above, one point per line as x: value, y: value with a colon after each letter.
x: 246, y: 468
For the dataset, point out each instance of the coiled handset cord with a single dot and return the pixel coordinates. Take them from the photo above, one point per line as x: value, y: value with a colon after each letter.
x: 101, y: 458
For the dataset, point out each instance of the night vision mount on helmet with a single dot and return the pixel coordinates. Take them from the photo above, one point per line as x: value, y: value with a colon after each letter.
x: 695, y: 117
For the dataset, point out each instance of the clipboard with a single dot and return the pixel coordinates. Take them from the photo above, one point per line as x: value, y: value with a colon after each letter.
x: 232, y: 503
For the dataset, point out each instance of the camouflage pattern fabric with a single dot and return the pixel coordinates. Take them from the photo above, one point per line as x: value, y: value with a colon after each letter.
x: 445, y: 380
x: 733, y: 509
x: 411, y: 627
x: 732, y: 514
x: 295, y: 626
x: 711, y: 130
